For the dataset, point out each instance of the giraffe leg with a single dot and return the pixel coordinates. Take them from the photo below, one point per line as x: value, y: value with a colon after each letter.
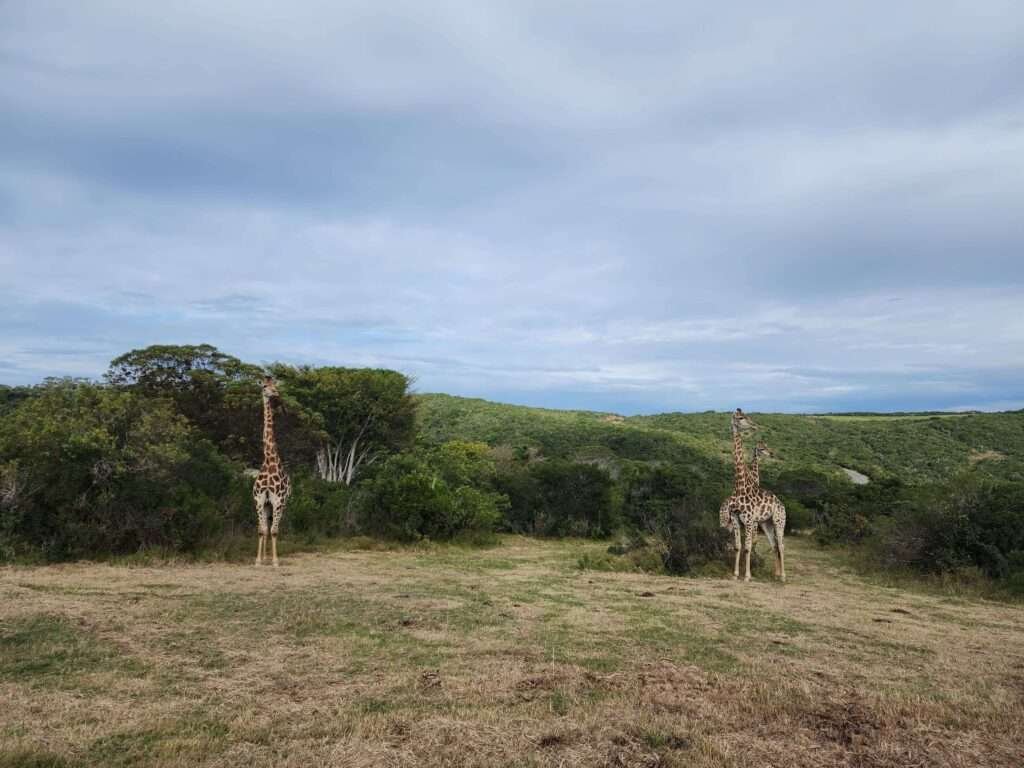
x: 261, y: 521
x: 738, y: 543
x: 769, y: 531
x: 278, y: 510
x: 779, y: 522
x: 751, y: 531
x: 782, y: 555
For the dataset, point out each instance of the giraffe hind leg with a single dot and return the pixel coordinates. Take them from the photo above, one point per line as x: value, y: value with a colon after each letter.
x: 769, y: 531
x: 751, y: 531
x: 780, y: 535
x: 278, y: 511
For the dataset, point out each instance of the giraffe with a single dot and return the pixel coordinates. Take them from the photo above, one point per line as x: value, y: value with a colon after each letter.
x: 272, y: 486
x: 729, y: 511
x: 769, y: 513
x: 751, y: 506
x: 757, y: 507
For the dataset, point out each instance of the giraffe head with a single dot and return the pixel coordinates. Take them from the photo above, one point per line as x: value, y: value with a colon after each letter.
x: 270, y: 393
x: 761, y: 451
x: 740, y: 422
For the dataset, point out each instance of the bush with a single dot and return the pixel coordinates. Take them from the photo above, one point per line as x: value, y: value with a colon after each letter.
x: 436, y: 494
x: 798, y: 517
x: 556, y: 497
x: 89, y: 470
x: 692, y: 538
x: 968, y: 523
x: 319, y: 508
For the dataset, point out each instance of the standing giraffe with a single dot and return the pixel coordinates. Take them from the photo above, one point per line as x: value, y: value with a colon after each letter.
x: 751, y: 506
x: 769, y: 513
x: 272, y: 486
x: 729, y: 509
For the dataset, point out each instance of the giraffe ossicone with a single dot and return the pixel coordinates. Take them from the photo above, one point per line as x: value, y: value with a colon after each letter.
x: 272, y: 487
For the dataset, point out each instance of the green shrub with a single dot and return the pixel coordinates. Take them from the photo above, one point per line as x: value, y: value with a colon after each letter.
x: 798, y: 517
x: 436, y: 494
x: 90, y: 470
x: 966, y: 523
x: 319, y: 508
x: 556, y: 497
x: 692, y: 538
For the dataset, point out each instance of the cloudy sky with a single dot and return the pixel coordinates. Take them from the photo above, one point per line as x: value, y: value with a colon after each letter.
x: 634, y: 206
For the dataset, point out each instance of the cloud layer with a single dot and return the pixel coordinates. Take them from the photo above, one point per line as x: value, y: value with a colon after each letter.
x: 631, y: 207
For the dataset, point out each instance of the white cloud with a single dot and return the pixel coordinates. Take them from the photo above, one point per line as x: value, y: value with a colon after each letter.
x: 676, y: 204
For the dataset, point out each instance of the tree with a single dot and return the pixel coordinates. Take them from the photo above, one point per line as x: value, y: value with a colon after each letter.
x: 162, y: 368
x: 213, y: 390
x: 364, y: 413
x: 219, y: 394
x: 10, y: 397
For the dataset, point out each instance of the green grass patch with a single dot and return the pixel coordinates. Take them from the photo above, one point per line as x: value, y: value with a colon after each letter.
x: 184, y: 741
x: 27, y: 758
x: 44, y: 649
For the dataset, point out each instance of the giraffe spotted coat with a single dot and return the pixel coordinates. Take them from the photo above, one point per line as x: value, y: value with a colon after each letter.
x: 272, y: 487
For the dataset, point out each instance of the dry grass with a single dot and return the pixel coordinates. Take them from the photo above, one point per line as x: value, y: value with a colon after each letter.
x: 510, y: 656
x: 976, y: 456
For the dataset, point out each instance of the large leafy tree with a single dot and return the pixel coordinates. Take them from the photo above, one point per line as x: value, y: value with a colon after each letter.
x: 365, y: 414
x: 11, y: 396
x: 213, y: 390
x: 219, y: 394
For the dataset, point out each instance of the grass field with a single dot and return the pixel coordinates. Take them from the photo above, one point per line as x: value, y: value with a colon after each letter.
x: 506, y: 656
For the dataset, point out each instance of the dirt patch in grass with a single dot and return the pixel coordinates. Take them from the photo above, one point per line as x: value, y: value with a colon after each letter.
x: 977, y: 456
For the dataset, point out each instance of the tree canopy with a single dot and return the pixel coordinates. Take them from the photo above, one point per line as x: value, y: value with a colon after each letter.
x: 364, y: 413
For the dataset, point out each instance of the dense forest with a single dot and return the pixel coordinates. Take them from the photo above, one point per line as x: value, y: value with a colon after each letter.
x: 158, y: 456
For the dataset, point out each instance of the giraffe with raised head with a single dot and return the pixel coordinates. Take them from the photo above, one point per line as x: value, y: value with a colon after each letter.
x: 730, y: 507
x: 272, y: 486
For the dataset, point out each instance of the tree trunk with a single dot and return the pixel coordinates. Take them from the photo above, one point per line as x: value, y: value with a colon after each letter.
x: 335, y: 464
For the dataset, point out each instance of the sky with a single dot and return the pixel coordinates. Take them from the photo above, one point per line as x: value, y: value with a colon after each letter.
x: 621, y: 206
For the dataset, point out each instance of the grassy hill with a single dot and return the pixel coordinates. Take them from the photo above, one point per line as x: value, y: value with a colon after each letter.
x: 916, y: 447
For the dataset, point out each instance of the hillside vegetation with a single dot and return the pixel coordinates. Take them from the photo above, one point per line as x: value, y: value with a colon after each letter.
x: 915, y: 448
x: 154, y: 458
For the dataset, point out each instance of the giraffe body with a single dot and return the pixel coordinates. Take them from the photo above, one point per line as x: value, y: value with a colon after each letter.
x: 272, y: 488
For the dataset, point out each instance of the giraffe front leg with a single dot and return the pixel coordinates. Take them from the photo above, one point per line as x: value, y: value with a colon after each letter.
x: 261, y: 522
x: 768, y: 528
x: 751, y: 531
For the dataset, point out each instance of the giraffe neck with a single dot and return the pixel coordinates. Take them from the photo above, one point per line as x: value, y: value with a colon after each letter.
x: 270, y: 455
x: 738, y: 461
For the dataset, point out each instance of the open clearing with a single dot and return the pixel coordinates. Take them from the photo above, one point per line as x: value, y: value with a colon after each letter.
x: 506, y: 656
